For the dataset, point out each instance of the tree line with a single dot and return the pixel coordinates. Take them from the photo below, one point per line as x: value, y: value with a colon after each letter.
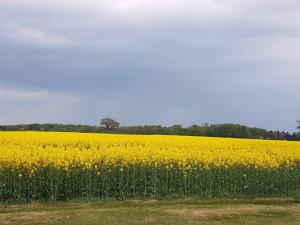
x: 210, y: 130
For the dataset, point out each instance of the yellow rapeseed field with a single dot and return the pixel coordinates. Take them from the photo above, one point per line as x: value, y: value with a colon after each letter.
x: 65, y: 150
x: 61, y: 166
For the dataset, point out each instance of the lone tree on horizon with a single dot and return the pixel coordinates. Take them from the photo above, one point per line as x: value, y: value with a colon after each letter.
x: 109, y: 123
x: 298, y: 121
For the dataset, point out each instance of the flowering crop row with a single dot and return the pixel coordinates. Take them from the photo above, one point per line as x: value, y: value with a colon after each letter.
x: 47, y: 165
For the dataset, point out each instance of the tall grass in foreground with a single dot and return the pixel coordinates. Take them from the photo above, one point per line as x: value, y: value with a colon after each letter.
x: 63, y: 166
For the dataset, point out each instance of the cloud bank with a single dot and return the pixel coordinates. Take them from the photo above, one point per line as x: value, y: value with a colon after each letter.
x: 161, y: 62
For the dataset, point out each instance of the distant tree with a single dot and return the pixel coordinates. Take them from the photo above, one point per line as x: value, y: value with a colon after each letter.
x: 176, y: 129
x: 109, y: 123
x: 298, y: 122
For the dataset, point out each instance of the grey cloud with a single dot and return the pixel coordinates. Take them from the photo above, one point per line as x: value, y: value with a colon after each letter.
x: 152, y: 62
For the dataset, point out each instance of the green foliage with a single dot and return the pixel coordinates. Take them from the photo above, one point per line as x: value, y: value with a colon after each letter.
x: 214, y: 130
x: 147, y: 182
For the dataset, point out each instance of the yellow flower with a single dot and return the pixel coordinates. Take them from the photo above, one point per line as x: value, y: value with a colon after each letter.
x: 36, y: 150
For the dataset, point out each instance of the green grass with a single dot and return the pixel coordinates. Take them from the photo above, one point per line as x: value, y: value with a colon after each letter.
x: 155, y: 212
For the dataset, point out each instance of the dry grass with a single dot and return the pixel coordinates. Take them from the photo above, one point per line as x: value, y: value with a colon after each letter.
x: 230, y: 211
x: 154, y: 212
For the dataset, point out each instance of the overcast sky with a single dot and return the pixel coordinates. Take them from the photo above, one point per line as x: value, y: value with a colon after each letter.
x: 150, y: 62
